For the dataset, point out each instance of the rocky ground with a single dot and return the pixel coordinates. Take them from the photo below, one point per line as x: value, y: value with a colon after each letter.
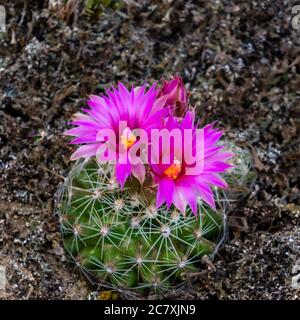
x: 241, y: 61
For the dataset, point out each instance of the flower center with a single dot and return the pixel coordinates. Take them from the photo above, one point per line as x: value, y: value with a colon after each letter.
x: 128, y: 138
x: 173, y: 170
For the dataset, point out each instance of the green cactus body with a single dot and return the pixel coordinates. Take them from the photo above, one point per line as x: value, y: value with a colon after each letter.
x: 242, y: 177
x: 120, y: 237
x: 122, y: 240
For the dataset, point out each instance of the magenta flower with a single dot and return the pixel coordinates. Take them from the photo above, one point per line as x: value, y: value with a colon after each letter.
x: 188, y: 175
x: 140, y: 110
x: 175, y: 95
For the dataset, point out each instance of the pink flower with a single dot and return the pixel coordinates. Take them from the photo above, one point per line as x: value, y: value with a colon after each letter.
x: 183, y: 169
x: 175, y: 95
x: 138, y: 108
x: 188, y: 175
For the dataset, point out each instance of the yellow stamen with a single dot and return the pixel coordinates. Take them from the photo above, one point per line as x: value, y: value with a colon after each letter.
x: 173, y: 171
x: 128, y: 138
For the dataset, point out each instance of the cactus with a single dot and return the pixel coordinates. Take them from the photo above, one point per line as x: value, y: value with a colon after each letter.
x: 119, y: 238
x: 242, y: 176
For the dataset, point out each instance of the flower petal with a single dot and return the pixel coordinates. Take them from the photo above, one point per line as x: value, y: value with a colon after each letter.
x: 85, y: 151
x: 189, y: 195
x: 123, y: 171
x: 139, y: 171
x: 213, y: 179
x: 165, y: 192
x: 179, y: 201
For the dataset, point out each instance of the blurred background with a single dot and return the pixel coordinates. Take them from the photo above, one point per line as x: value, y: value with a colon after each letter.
x: 240, y: 60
